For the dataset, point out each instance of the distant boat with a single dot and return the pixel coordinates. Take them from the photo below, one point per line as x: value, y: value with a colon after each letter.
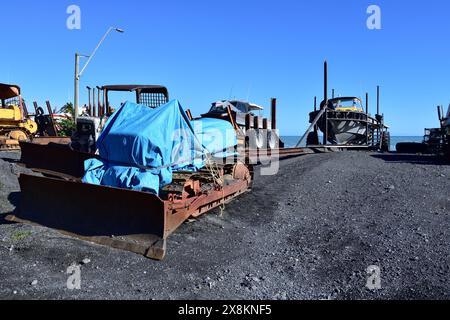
x: 345, y: 124
x: 346, y: 121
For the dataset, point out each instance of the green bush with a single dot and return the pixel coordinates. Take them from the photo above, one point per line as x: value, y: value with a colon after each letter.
x: 66, y: 127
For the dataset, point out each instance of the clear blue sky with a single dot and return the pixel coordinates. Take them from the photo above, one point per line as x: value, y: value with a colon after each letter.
x: 209, y: 50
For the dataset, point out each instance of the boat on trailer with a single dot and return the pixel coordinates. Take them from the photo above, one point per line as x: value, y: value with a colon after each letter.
x: 344, y: 123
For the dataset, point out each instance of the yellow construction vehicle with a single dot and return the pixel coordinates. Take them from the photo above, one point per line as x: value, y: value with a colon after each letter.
x: 15, y: 125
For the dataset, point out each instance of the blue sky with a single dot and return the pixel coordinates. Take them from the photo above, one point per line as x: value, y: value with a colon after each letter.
x: 209, y: 50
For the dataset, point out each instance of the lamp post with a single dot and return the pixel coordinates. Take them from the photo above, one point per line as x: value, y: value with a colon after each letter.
x: 78, y: 73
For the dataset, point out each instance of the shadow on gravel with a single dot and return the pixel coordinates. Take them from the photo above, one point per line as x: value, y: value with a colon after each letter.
x: 411, y: 158
x: 3, y: 220
x: 14, y: 199
x: 10, y: 160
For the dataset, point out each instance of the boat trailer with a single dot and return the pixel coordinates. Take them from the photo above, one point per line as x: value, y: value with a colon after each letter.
x: 346, y: 127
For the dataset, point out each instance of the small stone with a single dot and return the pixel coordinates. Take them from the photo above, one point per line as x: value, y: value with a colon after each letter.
x: 14, y: 292
x: 34, y: 283
x: 86, y: 261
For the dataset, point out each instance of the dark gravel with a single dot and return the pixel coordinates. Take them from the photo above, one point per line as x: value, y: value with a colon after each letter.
x: 309, y: 232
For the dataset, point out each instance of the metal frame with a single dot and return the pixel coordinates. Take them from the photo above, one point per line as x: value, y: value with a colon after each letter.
x: 158, y: 95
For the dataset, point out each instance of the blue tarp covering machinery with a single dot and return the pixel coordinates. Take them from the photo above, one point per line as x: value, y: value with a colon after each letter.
x: 140, y: 147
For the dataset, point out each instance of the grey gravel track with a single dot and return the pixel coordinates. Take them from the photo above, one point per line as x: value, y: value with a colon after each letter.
x: 309, y: 232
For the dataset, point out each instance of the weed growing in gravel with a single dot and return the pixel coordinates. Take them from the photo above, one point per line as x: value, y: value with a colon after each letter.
x: 20, y: 235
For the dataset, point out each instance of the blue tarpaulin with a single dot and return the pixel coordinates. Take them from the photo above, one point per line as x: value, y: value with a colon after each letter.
x: 140, y: 147
x: 215, y: 135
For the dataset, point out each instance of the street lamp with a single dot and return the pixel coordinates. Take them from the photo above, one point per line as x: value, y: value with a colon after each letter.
x: 78, y: 73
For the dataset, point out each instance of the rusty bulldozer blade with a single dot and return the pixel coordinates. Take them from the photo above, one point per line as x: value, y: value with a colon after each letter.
x: 53, y: 157
x: 123, y: 219
x: 130, y: 220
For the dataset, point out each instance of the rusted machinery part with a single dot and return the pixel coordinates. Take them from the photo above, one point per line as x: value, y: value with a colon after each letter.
x: 48, y: 140
x: 135, y: 221
x: 18, y: 135
x: 10, y: 140
x: 241, y: 172
x: 263, y: 156
x: 54, y: 157
x: 9, y: 144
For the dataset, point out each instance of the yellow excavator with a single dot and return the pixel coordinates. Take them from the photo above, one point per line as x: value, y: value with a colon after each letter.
x: 15, y: 125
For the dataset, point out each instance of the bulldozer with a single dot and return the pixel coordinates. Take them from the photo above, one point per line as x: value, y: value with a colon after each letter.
x: 15, y: 125
x: 136, y: 219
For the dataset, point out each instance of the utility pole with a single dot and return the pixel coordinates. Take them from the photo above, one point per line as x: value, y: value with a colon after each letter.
x: 78, y: 73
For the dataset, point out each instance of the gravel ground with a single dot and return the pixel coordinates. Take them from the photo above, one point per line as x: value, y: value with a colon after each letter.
x: 309, y: 232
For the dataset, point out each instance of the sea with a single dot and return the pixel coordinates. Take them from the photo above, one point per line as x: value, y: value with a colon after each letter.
x: 291, y: 141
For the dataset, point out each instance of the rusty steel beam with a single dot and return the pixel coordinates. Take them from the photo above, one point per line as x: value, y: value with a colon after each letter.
x: 367, y: 117
x: 325, y: 82
x: 93, y: 103
x: 48, y: 140
x: 99, y: 103
x: 274, y: 113
x: 89, y: 99
x: 378, y: 99
x: 52, y: 119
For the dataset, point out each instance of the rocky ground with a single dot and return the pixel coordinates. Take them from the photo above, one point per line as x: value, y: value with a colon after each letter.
x: 309, y: 232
